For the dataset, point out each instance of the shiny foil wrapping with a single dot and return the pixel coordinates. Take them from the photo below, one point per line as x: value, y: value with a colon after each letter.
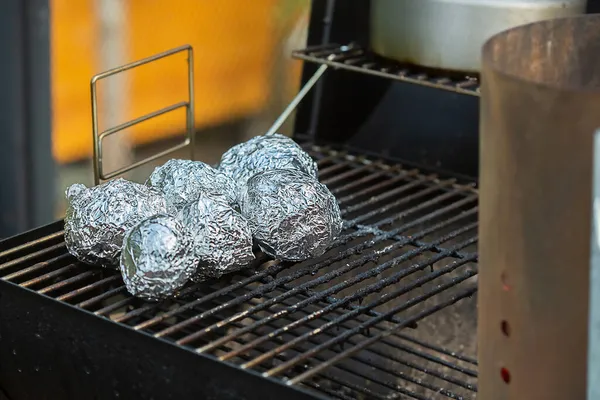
x: 263, y: 153
x: 182, y: 181
x: 98, y: 217
x: 157, y: 258
x: 222, y: 237
x: 292, y: 215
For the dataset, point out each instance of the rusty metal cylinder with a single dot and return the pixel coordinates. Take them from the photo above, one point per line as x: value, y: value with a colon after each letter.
x: 540, y: 107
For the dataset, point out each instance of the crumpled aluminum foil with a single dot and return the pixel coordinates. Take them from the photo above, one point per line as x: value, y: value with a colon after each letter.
x: 292, y: 215
x: 182, y: 181
x: 157, y: 258
x: 222, y: 237
x: 98, y: 217
x: 263, y: 153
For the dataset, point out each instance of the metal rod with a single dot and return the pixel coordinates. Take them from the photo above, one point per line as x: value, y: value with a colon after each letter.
x: 329, y: 276
x: 357, y: 182
x: 466, y: 293
x: 365, y: 291
x: 189, y: 140
x: 296, y: 101
x: 32, y: 256
x: 360, y: 375
x: 143, y: 118
x: 393, y: 193
x: 302, y: 272
x: 365, y: 360
x: 384, y: 236
x: 387, y: 342
x: 360, y: 328
x: 373, y: 188
x: 359, y: 294
x: 88, y: 288
x: 331, y: 169
x: 36, y: 267
x: 109, y: 293
x: 362, y: 360
x: 48, y: 275
x: 442, y: 351
x: 57, y: 235
x: 69, y: 281
x: 345, y: 175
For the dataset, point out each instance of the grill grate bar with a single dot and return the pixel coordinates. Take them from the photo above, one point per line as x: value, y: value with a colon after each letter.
x: 69, y: 281
x: 383, y: 209
x: 464, y: 294
x: 34, y: 243
x: 332, y: 168
x: 32, y: 256
x: 366, y: 179
x: 424, y: 205
x: 105, y: 311
x: 88, y: 288
x: 384, y: 298
x: 390, y: 193
x: 106, y: 295
x: 337, y: 395
x: 37, y: 267
x: 407, y: 338
x: 369, y: 363
x: 49, y: 275
x: 358, y: 374
x: 345, y: 175
x: 429, y: 346
x: 338, y: 304
x: 436, y: 200
x: 378, y: 186
x: 419, y: 354
x: 426, y: 356
x: 273, y: 269
x: 362, y: 327
x: 278, y: 266
x: 336, y: 288
x: 304, y: 271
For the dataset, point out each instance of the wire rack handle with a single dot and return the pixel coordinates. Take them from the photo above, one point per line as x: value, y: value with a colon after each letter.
x: 98, y: 137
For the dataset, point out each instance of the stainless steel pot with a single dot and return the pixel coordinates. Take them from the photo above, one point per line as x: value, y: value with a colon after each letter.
x: 449, y: 34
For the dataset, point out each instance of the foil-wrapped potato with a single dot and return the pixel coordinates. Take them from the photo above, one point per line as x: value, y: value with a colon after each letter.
x: 221, y: 236
x: 157, y: 258
x: 292, y: 216
x: 98, y: 217
x: 263, y: 153
x: 182, y: 181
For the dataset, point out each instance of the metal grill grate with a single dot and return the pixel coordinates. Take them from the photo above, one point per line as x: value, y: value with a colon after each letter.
x: 355, y: 58
x: 335, y: 324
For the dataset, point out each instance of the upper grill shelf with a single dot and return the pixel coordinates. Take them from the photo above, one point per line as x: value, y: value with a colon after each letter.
x: 353, y: 57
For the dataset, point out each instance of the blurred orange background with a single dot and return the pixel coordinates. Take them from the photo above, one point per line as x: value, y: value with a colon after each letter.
x: 236, y: 46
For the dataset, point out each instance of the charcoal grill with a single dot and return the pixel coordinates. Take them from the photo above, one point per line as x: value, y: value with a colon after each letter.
x: 388, y: 312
